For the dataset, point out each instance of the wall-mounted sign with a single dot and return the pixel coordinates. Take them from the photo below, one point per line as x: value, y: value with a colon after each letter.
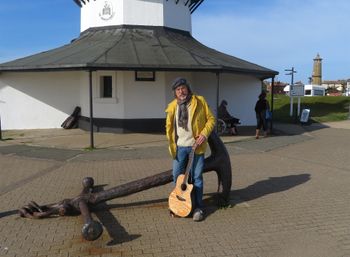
x: 107, y: 11
x: 145, y: 76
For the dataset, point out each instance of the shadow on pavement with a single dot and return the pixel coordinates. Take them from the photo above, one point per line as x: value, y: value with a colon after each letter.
x: 269, y: 186
x: 8, y: 213
x: 257, y: 190
x: 115, y: 230
x: 254, y: 191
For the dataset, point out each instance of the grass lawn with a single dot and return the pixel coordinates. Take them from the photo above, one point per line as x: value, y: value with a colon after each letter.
x: 322, y: 108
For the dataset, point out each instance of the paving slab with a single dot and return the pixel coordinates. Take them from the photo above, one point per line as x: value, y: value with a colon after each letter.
x: 289, y: 198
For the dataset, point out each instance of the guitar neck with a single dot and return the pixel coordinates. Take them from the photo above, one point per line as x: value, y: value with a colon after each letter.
x: 189, y: 164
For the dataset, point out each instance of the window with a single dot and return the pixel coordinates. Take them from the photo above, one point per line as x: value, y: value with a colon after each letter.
x: 308, y: 92
x: 318, y: 92
x: 106, y: 86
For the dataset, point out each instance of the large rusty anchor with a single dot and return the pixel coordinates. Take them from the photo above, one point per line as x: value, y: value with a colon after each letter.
x: 218, y: 161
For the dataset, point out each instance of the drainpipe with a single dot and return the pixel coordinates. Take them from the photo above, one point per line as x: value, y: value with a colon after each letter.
x: 272, y: 97
x: 0, y: 130
x: 217, y: 98
x: 92, y: 146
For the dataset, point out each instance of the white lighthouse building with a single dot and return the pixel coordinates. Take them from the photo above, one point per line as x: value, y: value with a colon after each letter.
x: 169, y: 13
x: 119, y: 70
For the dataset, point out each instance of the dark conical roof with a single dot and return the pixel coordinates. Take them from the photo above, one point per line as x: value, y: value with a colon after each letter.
x: 136, y: 48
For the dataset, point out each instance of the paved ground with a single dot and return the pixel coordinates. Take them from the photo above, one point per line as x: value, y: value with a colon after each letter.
x: 290, y: 196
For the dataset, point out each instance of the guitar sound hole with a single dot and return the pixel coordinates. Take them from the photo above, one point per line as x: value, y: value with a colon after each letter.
x: 181, y: 198
x: 183, y: 187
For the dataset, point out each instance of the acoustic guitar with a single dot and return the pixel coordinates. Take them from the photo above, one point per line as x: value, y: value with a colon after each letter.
x: 181, y: 198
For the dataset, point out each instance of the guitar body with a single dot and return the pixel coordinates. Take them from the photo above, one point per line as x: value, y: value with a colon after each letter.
x: 181, y: 201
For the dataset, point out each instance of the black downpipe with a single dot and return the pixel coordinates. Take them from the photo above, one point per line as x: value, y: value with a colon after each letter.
x: 272, y: 100
x: 92, y: 146
x: 217, y: 99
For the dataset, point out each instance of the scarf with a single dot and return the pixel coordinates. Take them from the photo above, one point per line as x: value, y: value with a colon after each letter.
x: 183, y: 112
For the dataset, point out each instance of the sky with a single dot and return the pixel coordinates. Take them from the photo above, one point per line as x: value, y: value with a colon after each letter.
x: 276, y: 34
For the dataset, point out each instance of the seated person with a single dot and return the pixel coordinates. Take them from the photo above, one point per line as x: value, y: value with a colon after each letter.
x: 224, y: 115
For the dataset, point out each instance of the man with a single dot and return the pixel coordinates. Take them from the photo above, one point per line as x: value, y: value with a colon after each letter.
x: 189, y: 122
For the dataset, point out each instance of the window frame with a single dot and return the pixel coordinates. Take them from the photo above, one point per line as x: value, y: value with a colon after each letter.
x: 103, y: 85
x: 99, y: 90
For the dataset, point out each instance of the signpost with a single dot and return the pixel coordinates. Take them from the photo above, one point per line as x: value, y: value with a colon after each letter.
x: 297, y: 90
x: 291, y: 72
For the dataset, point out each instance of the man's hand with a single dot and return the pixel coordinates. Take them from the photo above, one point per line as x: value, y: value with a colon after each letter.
x: 200, y: 139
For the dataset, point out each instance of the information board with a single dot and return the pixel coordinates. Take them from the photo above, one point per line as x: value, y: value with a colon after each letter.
x: 297, y: 90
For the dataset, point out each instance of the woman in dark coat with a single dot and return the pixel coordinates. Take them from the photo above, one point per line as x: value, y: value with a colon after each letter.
x: 261, y: 107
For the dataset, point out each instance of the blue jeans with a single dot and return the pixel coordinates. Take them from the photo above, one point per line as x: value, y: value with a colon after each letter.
x: 196, y: 176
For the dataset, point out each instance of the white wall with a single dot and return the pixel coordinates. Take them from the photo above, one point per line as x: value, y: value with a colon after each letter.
x: 136, y: 12
x: 102, y: 108
x: 90, y: 14
x: 241, y: 93
x: 144, y: 99
x: 37, y: 100
x: 148, y: 99
x: 46, y: 99
x: 177, y: 16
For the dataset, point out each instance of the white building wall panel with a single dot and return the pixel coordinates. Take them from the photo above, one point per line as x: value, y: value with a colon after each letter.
x: 136, y: 12
x: 144, y: 99
x: 149, y: 13
x: 37, y: 100
x: 110, y: 108
x: 177, y: 16
x: 45, y: 100
x: 91, y: 14
x: 241, y: 93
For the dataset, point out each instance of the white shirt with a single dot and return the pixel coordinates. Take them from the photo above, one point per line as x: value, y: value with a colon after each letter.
x: 185, y: 138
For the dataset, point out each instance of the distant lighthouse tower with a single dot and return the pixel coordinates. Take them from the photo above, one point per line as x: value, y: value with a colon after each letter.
x: 317, y: 71
x: 165, y: 13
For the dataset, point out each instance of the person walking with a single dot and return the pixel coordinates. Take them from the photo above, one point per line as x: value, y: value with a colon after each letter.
x: 261, y: 107
x: 189, y: 122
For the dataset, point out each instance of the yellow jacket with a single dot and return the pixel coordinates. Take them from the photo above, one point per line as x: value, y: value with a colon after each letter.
x: 203, y: 122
